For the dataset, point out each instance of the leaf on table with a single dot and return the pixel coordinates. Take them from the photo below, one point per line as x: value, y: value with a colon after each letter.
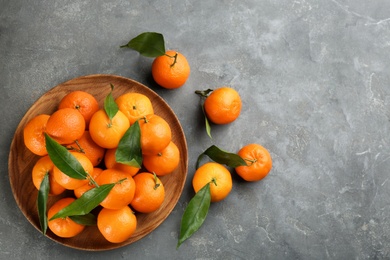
x: 195, y: 213
x: 148, y: 44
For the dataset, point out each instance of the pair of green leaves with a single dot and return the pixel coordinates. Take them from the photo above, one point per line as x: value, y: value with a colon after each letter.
x: 79, y: 210
x: 203, y: 95
x: 148, y: 44
x: 128, y: 152
x: 198, y: 207
x: 129, y: 148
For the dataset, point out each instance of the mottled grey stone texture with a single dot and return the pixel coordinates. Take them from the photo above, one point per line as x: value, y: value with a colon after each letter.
x: 314, y: 79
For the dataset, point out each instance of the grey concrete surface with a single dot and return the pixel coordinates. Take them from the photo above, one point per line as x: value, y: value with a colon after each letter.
x: 314, y: 78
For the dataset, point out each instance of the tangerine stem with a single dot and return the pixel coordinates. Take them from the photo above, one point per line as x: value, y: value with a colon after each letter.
x: 92, y: 180
x: 155, y: 181
x: 81, y: 150
x: 146, y: 120
x: 250, y: 160
x: 214, y: 180
x: 174, y: 57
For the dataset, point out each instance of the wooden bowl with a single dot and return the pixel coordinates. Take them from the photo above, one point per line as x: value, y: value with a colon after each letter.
x: 21, y: 160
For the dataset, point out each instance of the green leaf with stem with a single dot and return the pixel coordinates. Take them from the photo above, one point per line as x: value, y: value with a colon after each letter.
x: 87, y: 202
x: 222, y: 157
x: 195, y: 213
x: 129, y: 148
x: 148, y: 44
x: 65, y: 161
x: 110, y: 106
x: 43, y: 195
x: 203, y: 95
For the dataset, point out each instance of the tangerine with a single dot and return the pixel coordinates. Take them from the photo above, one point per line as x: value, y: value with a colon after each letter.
x: 63, y: 227
x: 83, y: 102
x: 123, y: 191
x: 219, y: 178
x: 42, y: 167
x: 155, y: 134
x: 116, y: 225
x: 259, y: 162
x: 223, y: 105
x: 134, y: 106
x: 34, y: 134
x: 105, y: 132
x: 68, y: 182
x: 65, y: 125
x: 87, y: 146
x: 163, y: 162
x: 149, y: 193
x: 110, y: 162
x: 171, y: 70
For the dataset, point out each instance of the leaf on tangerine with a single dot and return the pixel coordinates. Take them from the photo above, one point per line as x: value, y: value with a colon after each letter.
x: 64, y: 160
x: 129, y: 148
x: 43, y: 195
x: 218, y: 155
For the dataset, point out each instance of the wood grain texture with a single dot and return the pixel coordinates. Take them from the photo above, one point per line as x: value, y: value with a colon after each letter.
x: 21, y: 160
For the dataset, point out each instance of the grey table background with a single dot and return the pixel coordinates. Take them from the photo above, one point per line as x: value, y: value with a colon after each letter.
x: 314, y: 77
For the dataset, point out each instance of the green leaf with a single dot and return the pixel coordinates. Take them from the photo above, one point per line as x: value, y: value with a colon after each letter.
x: 43, y: 195
x: 86, y: 220
x: 86, y: 203
x: 148, y: 44
x: 110, y: 105
x: 207, y: 124
x: 222, y: 157
x: 204, y: 94
x: 195, y: 213
x: 64, y: 160
x: 129, y: 148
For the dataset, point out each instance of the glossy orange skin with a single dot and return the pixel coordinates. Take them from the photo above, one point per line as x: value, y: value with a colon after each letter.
x: 106, y: 133
x: 81, y: 101
x: 223, y: 105
x: 149, y: 193
x: 42, y: 167
x: 163, y: 162
x: 63, y: 227
x: 117, y: 225
x: 65, y: 125
x: 34, y: 134
x: 156, y: 134
x: 134, y: 106
x: 122, y: 193
x: 89, y: 148
x: 219, y: 178
x: 111, y: 163
x: 168, y: 73
x: 259, y: 162
x: 68, y: 182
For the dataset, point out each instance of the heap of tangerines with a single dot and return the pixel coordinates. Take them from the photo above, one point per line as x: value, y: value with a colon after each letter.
x: 92, y: 138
